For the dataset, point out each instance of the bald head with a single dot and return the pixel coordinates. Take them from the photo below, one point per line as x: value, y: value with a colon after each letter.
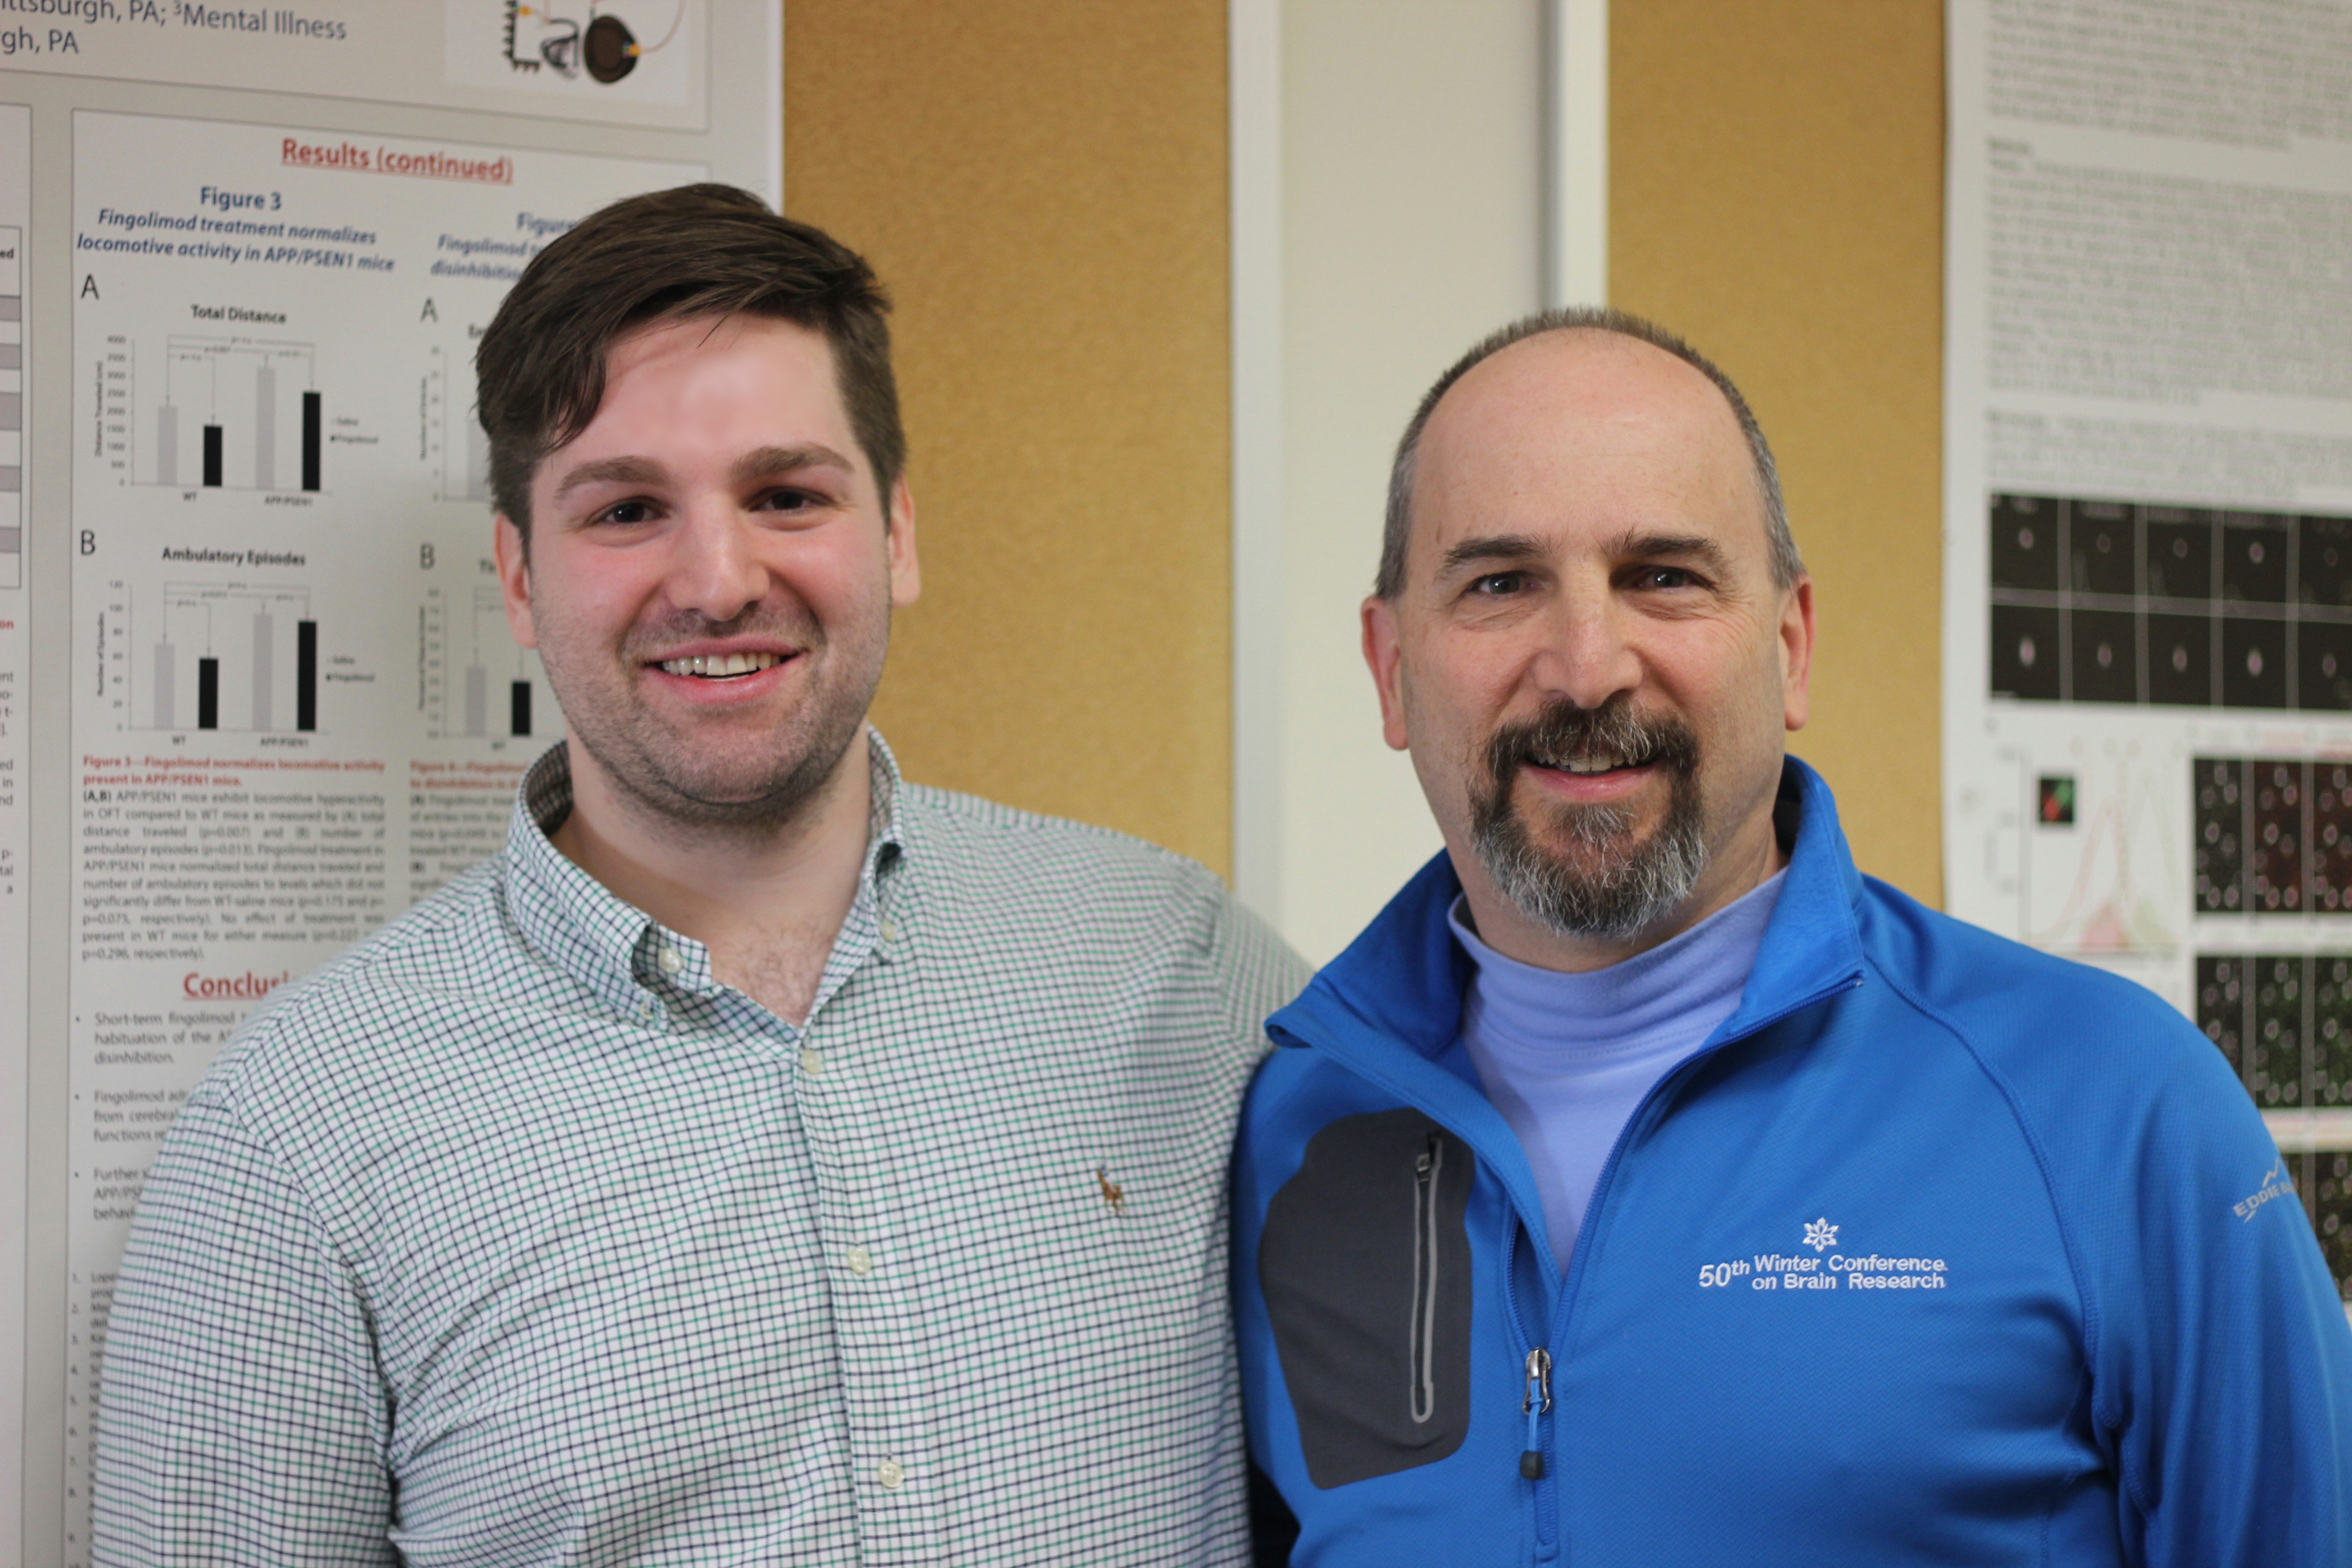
x: 1610, y: 334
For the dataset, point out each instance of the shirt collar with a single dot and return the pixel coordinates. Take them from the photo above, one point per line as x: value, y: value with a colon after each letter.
x: 612, y: 947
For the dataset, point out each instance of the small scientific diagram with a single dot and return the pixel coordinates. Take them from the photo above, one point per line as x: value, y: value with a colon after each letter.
x: 2272, y: 836
x: 195, y: 411
x: 223, y: 657
x: 455, y: 445
x: 570, y: 36
x: 2127, y: 603
x: 2284, y: 1022
x: 2103, y: 862
x: 475, y: 683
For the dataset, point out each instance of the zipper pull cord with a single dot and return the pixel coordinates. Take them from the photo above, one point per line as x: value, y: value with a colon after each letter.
x: 1535, y: 1402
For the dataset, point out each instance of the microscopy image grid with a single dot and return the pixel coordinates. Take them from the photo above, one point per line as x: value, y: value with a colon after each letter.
x: 2100, y: 600
x: 2325, y: 1179
x: 2284, y: 1022
x: 2271, y: 835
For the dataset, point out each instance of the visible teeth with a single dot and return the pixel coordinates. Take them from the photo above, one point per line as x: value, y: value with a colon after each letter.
x: 1587, y: 762
x: 712, y: 665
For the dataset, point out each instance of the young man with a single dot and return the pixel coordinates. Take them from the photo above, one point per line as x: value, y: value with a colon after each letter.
x: 765, y: 1160
x: 1644, y: 1187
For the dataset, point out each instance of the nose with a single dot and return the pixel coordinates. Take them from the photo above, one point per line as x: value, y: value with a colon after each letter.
x: 1585, y: 652
x: 716, y: 570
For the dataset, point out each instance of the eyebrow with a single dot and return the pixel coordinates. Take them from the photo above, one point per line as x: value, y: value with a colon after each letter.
x: 1489, y: 547
x: 762, y: 462
x: 767, y: 461
x: 1688, y: 546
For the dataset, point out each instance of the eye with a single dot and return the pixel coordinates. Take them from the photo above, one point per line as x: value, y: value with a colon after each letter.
x: 786, y: 500
x: 1496, y: 585
x: 1663, y: 577
x: 628, y: 513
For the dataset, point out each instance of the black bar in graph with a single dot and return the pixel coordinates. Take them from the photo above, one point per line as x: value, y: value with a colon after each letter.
x: 519, y: 709
x: 211, y: 456
x: 207, y: 694
x: 311, y: 440
x: 306, y: 670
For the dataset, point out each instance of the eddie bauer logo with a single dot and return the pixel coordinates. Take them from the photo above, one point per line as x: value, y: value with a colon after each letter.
x: 1828, y: 1268
x: 2276, y: 1183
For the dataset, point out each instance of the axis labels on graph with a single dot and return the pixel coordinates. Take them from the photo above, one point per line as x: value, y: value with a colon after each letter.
x: 216, y: 412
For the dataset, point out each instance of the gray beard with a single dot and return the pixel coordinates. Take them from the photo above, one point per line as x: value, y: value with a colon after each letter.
x: 1629, y: 887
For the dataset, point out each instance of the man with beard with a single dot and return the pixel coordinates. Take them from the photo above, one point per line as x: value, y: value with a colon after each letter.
x: 1646, y: 1187
x: 765, y: 1159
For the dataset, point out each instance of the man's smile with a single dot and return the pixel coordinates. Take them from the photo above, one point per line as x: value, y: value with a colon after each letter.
x: 1595, y: 759
x: 720, y: 665
x: 724, y: 673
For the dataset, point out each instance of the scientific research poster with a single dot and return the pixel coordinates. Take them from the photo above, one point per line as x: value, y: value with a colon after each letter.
x: 258, y: 694
x: 2147, y: 634
x: 297, y: 707
x: 636, y: 62
x: 15, y: 976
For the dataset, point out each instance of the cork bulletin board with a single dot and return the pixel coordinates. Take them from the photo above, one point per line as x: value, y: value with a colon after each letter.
x: 1041, y: 184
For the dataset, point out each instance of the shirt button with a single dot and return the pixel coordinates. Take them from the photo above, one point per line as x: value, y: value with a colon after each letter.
x: 646, y: 1009
x: 890, y: 1473
x: 861, y: 1262
x: 889, y: 931
x: 811, y: 1063
x: 670, y: 962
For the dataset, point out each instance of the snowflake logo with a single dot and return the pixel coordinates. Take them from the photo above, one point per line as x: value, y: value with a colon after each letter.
x: 1819, y: 1233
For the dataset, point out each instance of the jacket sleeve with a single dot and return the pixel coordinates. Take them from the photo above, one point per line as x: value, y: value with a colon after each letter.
x: 242, y: 1419
x: 2224, y: 1363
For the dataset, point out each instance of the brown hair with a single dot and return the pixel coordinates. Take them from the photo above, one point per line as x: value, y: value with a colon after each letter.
x: 1787, y: 564
x: 698, y: 251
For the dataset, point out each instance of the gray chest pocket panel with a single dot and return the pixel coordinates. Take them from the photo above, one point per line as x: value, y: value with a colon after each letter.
x: 1365, y: 1263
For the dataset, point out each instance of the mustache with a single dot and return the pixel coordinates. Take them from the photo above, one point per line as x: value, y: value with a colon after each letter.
x: 1563, y: 730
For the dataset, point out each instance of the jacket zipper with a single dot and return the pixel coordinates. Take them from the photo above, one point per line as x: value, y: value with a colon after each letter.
x: 1547, y: 1498
x: 1536, y: 1401
x: 1425, y: 1172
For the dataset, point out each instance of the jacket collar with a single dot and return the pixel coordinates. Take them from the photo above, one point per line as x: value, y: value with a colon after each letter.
x: 1391, y: 1003
x: 1402, y: 978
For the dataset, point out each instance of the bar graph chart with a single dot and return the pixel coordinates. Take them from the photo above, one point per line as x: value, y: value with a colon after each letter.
x: 477, y: 683
x: 233, y: 657
x: 451, y: 436
x: 218, y: 414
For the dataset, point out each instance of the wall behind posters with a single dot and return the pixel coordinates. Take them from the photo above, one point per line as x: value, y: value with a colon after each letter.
x: 1042, y: 185
x: 256, y: 693
x: 1048, y: 195
x: 1776, y: 194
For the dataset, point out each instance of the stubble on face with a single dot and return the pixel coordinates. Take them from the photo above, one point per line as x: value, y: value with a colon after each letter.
x: 1588, y: 871
x: 746, y: 779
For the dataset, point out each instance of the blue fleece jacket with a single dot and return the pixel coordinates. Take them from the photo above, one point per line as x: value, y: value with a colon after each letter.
x: 1941, y: 1250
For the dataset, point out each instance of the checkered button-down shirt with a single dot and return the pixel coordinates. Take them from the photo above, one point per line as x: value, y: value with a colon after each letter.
x: 512, y: 1236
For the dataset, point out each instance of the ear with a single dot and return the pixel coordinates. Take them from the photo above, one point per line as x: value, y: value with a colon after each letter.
x: 1383, y: 651
x: 514, y: 580
x: 1797, y: 654
x: 906, y: 570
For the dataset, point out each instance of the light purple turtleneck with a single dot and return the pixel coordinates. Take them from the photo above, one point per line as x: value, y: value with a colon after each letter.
x: 1567, y: 1058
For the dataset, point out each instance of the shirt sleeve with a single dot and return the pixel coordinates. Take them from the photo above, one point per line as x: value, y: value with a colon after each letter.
x: 242, y: 1419
x: 2225, y: 1362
